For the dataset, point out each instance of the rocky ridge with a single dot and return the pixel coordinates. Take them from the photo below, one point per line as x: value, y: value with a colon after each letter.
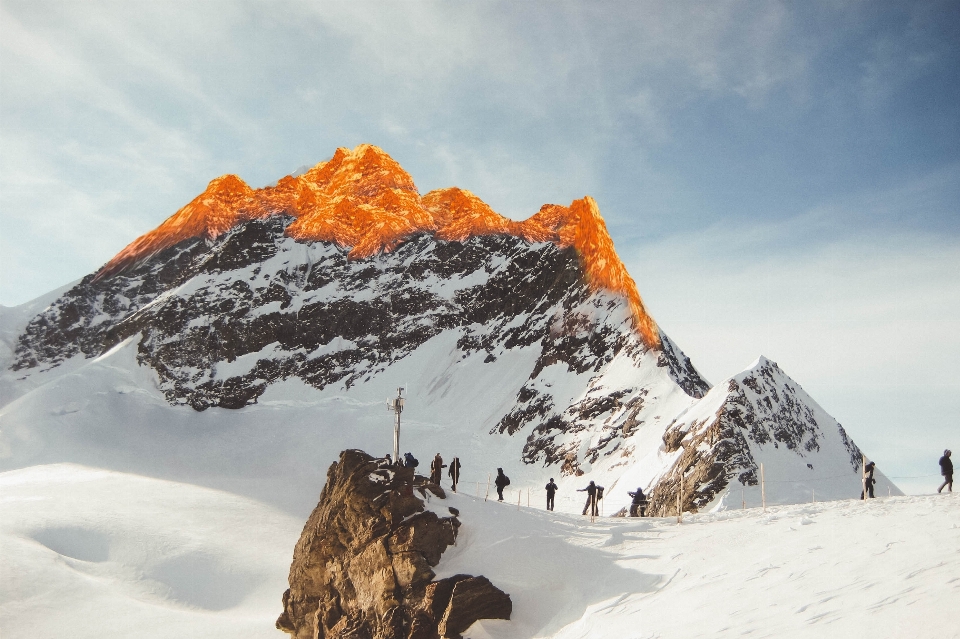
x: 362, y: 199
x: 362, y: 568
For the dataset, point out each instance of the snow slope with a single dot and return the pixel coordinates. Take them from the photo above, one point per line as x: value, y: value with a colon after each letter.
x: 91, y: 553
x: 94, y: 553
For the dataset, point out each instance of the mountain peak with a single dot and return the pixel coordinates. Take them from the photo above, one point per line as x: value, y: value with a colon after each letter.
x: 363, y: 199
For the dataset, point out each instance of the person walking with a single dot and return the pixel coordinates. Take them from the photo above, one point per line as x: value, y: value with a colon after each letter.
x: 501, y: 482
x: 639, y: 503
x: 591, y: 504
x: 454, y: 472
x: 868, y: 481
x: 436, y: 469
x: 551, y: 491
x: 946, y: 469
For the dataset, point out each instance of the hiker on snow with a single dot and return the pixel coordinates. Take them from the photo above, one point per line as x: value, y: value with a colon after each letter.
x: 639, y: 503
x: 594, y: 494
x: 454, y: 472
x: 946, y: 469
x: 502, y: 481
x: 410, y: 461
x: 436, y: 469
x: 868, y: 480
x: 551, y: 491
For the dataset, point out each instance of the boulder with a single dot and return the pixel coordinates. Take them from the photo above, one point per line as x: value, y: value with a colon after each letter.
x: 363, y: 567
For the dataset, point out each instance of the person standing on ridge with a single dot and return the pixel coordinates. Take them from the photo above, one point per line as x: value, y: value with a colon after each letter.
x: 591, y: 504
x: 436, y: 469
x: 639, y: 503
x: 946, y: 469
x: 501, y: 482
x: 868, y: 481
x: 454, y: 472
x: 410, y: 461
x: 551, y: 491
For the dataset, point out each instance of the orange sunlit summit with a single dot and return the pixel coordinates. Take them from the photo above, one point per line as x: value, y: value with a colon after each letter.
x: 364, y: 200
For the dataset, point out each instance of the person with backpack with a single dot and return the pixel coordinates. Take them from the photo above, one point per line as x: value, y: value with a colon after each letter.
x: 410, y: 461
x: 639, y: 503
x: 436, y: 469
x: 551, y: 491
x: 594, y: 494
x: 946, y: 469
x: 868, y: 481
x: 454, y: 472
x: 501, y: 482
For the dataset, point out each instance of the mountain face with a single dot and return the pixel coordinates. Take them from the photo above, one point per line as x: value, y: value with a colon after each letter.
x: 529, y: 339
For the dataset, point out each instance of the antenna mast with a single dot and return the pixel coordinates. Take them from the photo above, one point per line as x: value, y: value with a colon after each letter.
x: 396, y: 405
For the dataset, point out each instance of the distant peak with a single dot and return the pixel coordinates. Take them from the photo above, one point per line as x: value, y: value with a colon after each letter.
x: 363, y: 199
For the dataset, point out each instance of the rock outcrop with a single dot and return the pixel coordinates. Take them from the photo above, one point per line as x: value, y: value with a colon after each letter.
x: 362, y: 568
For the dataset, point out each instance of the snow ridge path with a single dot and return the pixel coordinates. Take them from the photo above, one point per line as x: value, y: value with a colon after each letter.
x: 201, y: 563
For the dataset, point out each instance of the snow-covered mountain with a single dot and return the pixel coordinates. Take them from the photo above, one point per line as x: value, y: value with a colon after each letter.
x: 256, y: 333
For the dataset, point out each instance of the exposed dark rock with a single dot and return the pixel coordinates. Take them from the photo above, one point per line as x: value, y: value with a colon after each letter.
x: 363, y: 564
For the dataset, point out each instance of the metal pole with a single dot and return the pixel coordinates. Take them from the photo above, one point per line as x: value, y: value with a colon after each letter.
x: 763, y: 489
x: 396, y: 438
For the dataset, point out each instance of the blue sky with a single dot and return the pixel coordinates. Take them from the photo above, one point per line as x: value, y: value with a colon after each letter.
x: 780, y: 178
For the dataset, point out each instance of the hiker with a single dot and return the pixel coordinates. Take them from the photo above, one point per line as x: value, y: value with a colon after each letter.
x: 454, y: 472
x: 946, y: 469
x: 502, y: 481
x: 436, y: 469
x: 639, y: 503
x: 868, y: 481
x: 594, y: 494
x: 551, y: 491
x: 410, y: 461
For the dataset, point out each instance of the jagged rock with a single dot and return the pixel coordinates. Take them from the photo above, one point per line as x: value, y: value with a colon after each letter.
x: 363, y: 565
x: 473, y: 598
x: 719, y: 438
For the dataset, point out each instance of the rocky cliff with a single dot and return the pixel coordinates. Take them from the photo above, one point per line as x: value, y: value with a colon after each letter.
x: 362, y: 566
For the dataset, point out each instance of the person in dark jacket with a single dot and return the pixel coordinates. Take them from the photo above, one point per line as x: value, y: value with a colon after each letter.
x: 501, y: 482
x: 591, y: 504
x: 551, y: 491
x: 639, y: 503
x: 946, y: 469
x: 454, y: 472
x: 410, y: 461
x: 436, y: 469
x: 868, y: 481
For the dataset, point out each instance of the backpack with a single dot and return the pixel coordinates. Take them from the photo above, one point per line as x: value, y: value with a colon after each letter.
x: 599, y: 492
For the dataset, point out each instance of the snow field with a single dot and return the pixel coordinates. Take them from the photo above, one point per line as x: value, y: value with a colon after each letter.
x: 94, y: 553
x: 882, y: 568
